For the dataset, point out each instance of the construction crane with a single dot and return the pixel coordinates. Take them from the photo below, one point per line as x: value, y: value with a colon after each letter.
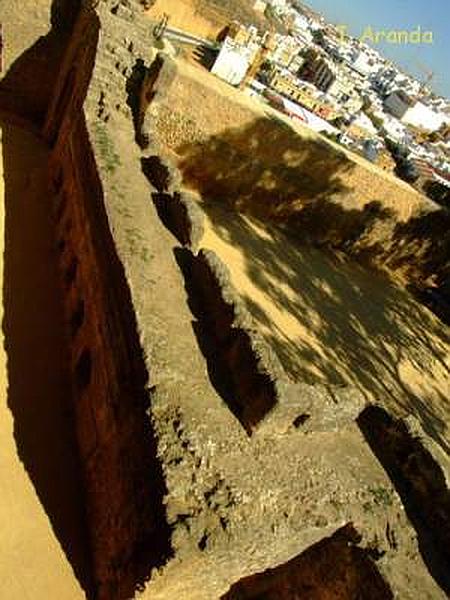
x: 428, y: 72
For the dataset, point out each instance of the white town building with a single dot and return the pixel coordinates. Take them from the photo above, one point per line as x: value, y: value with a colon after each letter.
x: 232, y: 62
x: 412, y: 112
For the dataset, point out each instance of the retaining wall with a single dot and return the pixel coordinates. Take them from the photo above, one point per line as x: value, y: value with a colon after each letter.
x: 233, y: 151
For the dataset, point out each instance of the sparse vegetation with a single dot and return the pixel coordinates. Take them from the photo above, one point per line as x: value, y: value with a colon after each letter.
x: 106, y: 147
x: 381, y: 495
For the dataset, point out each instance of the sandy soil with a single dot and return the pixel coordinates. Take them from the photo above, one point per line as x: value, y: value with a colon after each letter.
x: 31, y: 18
x: 332, y: 321
x: 183, y: 15
x: 32, y: 561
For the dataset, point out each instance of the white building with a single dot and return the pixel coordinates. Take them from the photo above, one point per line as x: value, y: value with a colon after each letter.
x: 301, y: 24
x: 412, y: 112
x: 363, y: 122
x: 424, y: 117
x: 365, y: 63
x: 279, y: 6
x: 285, y: 50
x: 232, y: 62
x: 344, y: 92
x: 392, y: 127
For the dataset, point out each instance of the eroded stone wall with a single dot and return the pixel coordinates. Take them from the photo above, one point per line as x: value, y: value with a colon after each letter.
x: 246, y: 369
x: 123, y: 483
x: 333, y: 568
x: 236, y: 504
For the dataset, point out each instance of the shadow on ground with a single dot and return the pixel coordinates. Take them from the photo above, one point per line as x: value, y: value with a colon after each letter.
x: 423, y: 245
x: 328, y: 319
x: 205, y: 56
x: 264, y: 168
x: 39, y: 385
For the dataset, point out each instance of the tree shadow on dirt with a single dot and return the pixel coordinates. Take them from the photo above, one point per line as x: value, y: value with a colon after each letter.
x: 422, y: 244
x: 264, y: 168
x: 327, y: 318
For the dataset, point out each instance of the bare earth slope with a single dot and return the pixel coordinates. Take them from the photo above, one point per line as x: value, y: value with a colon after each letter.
x: 41, y: 519
x: 332, y: 321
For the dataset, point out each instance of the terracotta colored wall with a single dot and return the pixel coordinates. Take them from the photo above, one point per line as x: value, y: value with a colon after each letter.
x: 123, y: 484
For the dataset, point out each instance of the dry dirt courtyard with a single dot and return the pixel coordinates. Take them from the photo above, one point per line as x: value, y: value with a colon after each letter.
x: 331, y: 320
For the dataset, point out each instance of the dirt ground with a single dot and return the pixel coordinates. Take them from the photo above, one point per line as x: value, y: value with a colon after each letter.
x: 39, y: 489
x: 183, y: 15
x: 331, y: 321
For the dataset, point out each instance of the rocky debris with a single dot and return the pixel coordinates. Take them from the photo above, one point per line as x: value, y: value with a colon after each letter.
x: 247, y: 362
x: 335, y: 567
x: 161, y: 172
x: 123, y: 11
x: 199, y: 512
x: 313, y: 408
x: 420, y: 472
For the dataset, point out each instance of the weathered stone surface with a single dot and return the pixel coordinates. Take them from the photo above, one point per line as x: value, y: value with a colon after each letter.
x: 333, y: 568
x: 188, y: 218
x: 157, y: 81
x: 313, y: 408
x: 421, y: 473
x: 181, y: 501
x: 247, y: 363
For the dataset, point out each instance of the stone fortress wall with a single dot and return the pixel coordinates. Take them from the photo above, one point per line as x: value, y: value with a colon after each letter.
x: 191, y: 491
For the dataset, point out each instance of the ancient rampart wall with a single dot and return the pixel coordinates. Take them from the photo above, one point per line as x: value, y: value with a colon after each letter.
x: 123, y: 484
x: 171, y: 452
